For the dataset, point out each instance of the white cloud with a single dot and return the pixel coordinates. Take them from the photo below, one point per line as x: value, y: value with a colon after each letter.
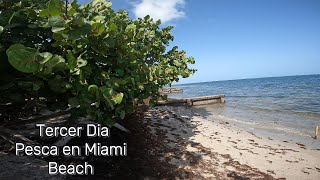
x: 166, y: 10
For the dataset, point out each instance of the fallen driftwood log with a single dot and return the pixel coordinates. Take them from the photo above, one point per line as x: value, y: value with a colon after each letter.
x: 171, y: 90
x: 193, y: 101
x: 63, y: 141
x: 38, y: 118
x: 13, y: 137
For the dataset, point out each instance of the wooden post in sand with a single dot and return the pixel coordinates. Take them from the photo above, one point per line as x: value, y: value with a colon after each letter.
x: 316, y: 132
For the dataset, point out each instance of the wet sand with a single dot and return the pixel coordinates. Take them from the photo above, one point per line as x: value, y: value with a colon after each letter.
x: 215, y: 148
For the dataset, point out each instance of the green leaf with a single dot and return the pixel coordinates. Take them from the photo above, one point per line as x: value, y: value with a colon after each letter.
x: 77, y: 21
x: 50, y: 62
x: 122, y: 114
x: 81, y: 62
x: 55, y: 60
x: 73, y: 102
x: 32, y: 26
x: 113, y: 27
x: 56, y: 21
x: 72, y: 61
x: 46, y: 56
x: 93, y: 88
x: 118, y: 98
x: 1, y: 29
x: 79, y: 32
x: 82, y: 77
x: 99, y: 19
x: 110, y: 103
x: 108, y: 4
x: 58, y: 37
x: 44, y: 13
x: 97, y: 28
x: 131, y: 27
x: 120, y: 72
x: 107, y: 92
x: 35, y: 87
x: 72, y: 12
x: 111, y: 43
x: 96, y: 2
x: 75, y: 5
x: 22, y: 58
x: 57, y: 84
x: 121, y: 81
x: 57, y: 29
x: 176, y: 63
x: 55, y: 7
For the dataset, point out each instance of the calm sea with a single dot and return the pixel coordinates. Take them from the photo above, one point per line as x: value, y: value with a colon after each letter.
x: 279, y: 106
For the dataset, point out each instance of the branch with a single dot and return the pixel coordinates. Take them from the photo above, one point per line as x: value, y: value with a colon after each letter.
x: 37, y: 119
x: 13, y: 137
x: 66, y: 12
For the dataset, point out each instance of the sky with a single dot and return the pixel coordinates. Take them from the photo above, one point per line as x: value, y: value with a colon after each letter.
x: 239, y: 39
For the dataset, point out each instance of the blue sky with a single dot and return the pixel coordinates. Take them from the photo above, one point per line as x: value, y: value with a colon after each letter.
x: 237, y: 39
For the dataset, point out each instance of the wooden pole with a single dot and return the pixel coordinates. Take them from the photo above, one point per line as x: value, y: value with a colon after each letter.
x: 316, y: 132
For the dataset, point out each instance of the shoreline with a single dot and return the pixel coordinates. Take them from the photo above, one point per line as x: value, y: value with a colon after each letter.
x: 230, y: 145
x: 295, y: 132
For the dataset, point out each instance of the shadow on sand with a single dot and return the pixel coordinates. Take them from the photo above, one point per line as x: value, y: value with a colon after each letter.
x: 158, y: 148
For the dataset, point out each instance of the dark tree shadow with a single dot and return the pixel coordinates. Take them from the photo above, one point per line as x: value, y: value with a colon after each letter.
x: 235, y: 176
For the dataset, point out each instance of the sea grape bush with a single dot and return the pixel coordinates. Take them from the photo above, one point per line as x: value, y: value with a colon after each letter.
x: 90, y: 58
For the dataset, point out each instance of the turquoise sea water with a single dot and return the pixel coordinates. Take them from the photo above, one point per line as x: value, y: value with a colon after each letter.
x: 279, y: 106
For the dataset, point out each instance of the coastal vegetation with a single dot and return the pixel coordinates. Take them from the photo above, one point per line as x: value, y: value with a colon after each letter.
x: 89, y: 58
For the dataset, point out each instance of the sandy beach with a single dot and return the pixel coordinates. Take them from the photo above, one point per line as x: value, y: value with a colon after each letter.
x: 212, y: 148
x: 167, y: 142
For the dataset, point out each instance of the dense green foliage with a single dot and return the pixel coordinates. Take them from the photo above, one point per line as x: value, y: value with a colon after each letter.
x: 97, y: 61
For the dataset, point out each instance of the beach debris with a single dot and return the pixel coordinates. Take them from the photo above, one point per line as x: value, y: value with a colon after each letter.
x: 194, y: 101
x: 301, y: 145
x: 271, y: 172
x: 306, y: 172
x: 171, y: 90
x: 316, y: 132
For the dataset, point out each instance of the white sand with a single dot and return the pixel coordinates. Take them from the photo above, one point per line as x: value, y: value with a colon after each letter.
x: 276, y: 158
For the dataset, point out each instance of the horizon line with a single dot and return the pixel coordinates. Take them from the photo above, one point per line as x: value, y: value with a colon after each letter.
x: 248, y: 79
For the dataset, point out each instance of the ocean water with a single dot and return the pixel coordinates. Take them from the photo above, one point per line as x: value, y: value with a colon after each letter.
x: 287, y: 108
